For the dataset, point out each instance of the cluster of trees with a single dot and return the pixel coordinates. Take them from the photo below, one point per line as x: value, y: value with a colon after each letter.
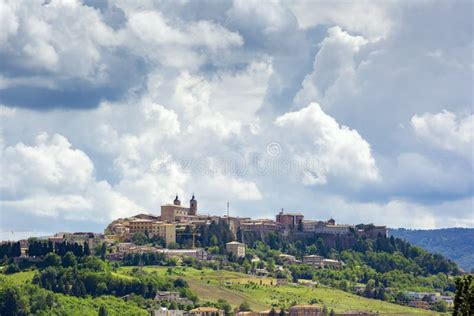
x: 26, y: 300
x: 215, y: 235
x: 9, y: 250
x: 147, y: 259
x: 39, y: 248
x: 92, y: 277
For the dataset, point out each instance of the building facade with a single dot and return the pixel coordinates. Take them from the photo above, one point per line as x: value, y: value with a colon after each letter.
x: 289, y: 220
x: 236, y: 248
x: 305, y: 310
x: 313, y: 261
x: 166, y: 231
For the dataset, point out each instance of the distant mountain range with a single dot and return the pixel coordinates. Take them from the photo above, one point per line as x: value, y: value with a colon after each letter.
x: 456, y: 244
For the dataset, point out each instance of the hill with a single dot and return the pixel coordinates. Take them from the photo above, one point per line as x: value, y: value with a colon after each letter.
x: 21, y: 284
x: 456, y: 244
x: 261, y: 294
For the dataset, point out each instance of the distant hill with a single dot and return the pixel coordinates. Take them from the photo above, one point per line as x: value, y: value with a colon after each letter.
x: 456, y: 244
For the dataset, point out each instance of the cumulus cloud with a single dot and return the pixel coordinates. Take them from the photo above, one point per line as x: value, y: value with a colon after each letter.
x: 326, y: 148
x: 172, y: 45
x: 334, y: 65
x: 51, y: 178
x: 173, y: 85
x: 371, y: 19
x: 446, y: 131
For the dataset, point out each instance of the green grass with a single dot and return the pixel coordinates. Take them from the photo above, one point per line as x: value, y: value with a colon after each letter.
x: 19, y: 278
x: 235, y: 288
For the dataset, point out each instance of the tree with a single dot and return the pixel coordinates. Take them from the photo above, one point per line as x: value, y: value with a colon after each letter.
x: 244, y: 307
x: 440, y: 306
x: 103, y: 251
x: 87, y: 250
x: 52, y: 260
x: 102, y: 311
x: 214, y: 241
x: 464, y: 297
x: 272, y: 312
x: 282, y: 312
x: 10, y: 302
x: 69, y: 260
x: 325, y: 311
x: 139, y: 238
x: 12, y: 268
x: 225, y: 306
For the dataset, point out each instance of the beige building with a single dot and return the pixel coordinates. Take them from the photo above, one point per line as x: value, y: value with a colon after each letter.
x: 330, y: 263
x: 333, y: 230
x: 176, y: 212
x: 168, y: 312
x: 236, y: 248
x: 164, y: 230
x: 305, y: 310
x: 313, y: 261
x: 206, y: 311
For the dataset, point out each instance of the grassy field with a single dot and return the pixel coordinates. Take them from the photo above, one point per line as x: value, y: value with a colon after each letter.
x: 261, y: 293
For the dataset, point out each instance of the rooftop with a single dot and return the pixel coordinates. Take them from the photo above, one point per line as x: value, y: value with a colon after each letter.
x: 205, y: 310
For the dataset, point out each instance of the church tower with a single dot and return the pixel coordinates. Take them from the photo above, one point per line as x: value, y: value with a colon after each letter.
x: 193, y: 205
x: 177, y: 201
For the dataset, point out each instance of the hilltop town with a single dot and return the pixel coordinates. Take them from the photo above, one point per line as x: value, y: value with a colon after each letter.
x: 176, y: 218
x: 288, y: 249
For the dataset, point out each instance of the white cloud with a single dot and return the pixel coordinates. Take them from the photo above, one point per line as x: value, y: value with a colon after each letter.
x: 149, y: 33
x: 225, y: 103
x: 326, y: 148
x: 269, y: 17
x: 333, y: 66
x: 446, y: 131
x: 58, y: 37
x: 50, y: 178
x: 400, y: 213
x: 369, y: 18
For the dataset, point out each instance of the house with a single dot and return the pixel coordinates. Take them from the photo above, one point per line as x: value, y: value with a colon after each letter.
x: 168, y: 312
x: 287, y: 258
x: 169, y: 296
x: 419, y: 304
x: 330, y: 263
x: 206, y: 311
x: 305, y: 310
x: 313, y: 261
x: 236, y: 248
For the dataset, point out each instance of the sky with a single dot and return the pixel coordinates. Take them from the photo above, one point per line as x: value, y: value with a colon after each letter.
x: 361, y: 111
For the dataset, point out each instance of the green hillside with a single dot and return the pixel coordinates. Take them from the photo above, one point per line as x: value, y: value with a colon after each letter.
x: 65, y: 304
x: 261, y: 294
x: 456, y: 244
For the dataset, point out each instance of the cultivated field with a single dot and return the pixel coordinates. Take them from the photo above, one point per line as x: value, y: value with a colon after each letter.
x: 261, y: 293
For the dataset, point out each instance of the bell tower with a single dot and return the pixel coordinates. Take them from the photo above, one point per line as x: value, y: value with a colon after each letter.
x: 193, y: 204
x: 177, y: 201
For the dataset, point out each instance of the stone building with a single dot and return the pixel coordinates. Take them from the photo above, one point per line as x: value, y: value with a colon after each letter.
x: 168, y: 296
x: 166, y: 231
x: 289, y: 220
x: 206, y: 311
x: 176, y: 212
x: 313, y: 261
x: 236, y: 248
x: 305, y: 310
